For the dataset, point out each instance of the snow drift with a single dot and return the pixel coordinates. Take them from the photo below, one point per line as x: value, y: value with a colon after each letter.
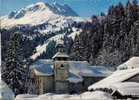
x: 97, y: 95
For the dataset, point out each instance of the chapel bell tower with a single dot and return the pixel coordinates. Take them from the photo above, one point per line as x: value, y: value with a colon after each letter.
x: 61, y: 69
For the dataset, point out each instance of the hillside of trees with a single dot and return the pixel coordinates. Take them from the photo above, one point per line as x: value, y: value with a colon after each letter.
x: 110, y: 39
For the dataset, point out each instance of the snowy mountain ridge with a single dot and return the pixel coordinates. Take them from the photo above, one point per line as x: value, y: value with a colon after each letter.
x: 51, y: 21
x: 39, y: 13
x: 55, y: 8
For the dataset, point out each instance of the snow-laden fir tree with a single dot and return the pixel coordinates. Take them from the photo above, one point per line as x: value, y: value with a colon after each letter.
x: 109, y: 39
x: 14, y: 72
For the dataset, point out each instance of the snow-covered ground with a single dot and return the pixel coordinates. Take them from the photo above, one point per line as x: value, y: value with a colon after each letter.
x: 97, y: 95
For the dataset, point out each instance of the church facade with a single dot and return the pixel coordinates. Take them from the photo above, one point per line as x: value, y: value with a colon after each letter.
x: 60, y: 75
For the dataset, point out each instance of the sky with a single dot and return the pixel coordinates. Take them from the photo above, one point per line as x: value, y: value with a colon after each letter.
x: 84, y: 8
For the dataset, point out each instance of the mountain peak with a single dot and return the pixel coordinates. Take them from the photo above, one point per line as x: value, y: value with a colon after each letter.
x: 63, y: 9
x: 54, y: 8
x: 40, y: 3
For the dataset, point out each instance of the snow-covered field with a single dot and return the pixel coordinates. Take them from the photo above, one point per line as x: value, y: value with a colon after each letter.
x: 97, y: 95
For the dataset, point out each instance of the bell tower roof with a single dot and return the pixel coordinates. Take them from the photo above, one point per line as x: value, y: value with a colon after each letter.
x: 60, y: 55
x: 60, y: 52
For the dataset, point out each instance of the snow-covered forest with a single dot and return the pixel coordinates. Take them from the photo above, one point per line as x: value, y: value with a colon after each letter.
x: 109, y: 39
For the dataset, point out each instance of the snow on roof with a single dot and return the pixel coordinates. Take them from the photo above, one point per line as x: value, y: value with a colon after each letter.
x: 43, y: 71
x: 77, y: 70
x: 117, y: 77
x: 96, y: 71
x: 127, y: 88
x: 60, y: 54
x: 43, y: 67
x: 130, y: 64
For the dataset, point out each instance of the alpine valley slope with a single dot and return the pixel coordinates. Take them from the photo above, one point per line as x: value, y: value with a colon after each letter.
x: 52, y: 22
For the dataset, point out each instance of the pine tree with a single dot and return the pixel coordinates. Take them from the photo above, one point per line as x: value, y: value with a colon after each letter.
x: 135, y: 9
x: 76, y: 49
x: 14, y: 73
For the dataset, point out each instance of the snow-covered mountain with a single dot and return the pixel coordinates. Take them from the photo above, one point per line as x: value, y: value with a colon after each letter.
x: 52, y: 21
x: 49, y: 9
x: 40, y: 13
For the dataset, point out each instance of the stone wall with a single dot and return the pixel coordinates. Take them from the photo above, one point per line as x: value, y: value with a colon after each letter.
x: 38, y: 85
x: 61, y: 72
x: 43, y: 84
x: 61, y: 86
x: 48, y: 83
